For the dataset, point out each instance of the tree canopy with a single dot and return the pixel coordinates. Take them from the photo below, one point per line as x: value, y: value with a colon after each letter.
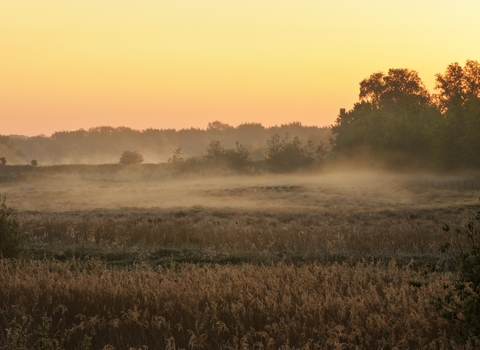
x: 398, y: 120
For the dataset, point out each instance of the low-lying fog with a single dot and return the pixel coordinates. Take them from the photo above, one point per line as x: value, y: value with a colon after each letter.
x: 323, y: 192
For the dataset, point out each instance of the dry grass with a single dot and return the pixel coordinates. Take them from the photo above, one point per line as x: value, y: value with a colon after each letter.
x: 235, y: 235
x: 364, y: 306
x: 250, y: 219
x: 261, y: 262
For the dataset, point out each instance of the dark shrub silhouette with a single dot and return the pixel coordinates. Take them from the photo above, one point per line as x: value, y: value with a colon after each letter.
x: 129, y: 157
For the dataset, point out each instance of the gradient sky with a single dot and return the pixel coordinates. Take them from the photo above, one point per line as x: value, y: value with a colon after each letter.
x: 70, y: 64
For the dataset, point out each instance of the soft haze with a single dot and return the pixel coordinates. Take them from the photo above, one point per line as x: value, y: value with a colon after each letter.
x: 66, y: 65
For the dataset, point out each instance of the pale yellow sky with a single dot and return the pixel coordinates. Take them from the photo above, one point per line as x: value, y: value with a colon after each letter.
x: 69, y: 64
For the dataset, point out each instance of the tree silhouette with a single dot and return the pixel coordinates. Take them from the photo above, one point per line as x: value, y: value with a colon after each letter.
x: 395, y: 114
x: 177, y: 156
x: 457, y: 85
x: 215, y: 152
x: 398, y: 84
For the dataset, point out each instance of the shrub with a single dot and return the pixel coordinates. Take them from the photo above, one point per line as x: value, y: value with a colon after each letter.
x: 11, y: 239
x: 238, y: 158
x: 461, y: 303
x: 288, y: 154
x: 129, y: 157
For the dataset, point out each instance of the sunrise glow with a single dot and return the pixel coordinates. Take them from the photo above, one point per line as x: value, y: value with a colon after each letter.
x: 66, y: 65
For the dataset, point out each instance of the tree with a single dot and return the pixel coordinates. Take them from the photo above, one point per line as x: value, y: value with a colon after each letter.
x: 321, y: 151
x: 34, y: 162
x: 217, y: 126
x: 450, y: 86
x: 3, y: 160
x: 215, y: 152
x: 394, y: 115
x: 129, y: 157
x: 398, y: 85
x: 457, y: 85
x: 458, y: 98
x: 472, y: 78
x: 11, y: 238
x: 177, y: 156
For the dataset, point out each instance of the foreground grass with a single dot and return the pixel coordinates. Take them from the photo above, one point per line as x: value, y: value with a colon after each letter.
x: 278, y: 262
x: 342, y: 306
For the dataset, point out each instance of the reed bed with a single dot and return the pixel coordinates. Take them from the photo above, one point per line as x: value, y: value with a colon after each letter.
x: 342, y: 306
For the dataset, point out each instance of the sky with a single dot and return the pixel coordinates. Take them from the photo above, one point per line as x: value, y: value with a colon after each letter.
x: 71, y: 64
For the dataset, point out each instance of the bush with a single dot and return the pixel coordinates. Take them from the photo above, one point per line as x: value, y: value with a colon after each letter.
x: 11, y: 239
x: 288, y: 154
x: 237, y: 158
x: 461, y: 303
x: 129, y: 157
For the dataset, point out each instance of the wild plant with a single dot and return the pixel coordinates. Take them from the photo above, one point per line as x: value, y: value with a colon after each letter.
x: 460, y: 304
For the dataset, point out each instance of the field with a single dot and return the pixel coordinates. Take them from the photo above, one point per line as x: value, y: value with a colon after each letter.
x: 125, y: 257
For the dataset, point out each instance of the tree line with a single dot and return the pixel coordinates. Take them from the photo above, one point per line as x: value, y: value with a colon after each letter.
x: 396, y: 119
x: 103, y: 145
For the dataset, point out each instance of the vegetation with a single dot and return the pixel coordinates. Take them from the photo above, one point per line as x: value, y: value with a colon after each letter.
x: 461, y: 304
x: 398, y: 120
x: 177, y: 156
x: 365, y: 305
x: 284, y: 155
x: 138, y: 257
x: 237, y: 158
x: 11, y: 238
x: 165, y: 256
x: 102, y: 145
x: 129, y: 157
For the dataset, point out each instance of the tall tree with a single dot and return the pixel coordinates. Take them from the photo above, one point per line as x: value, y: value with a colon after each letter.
x: 399, y: 84
x: 395, y: 115
x: 472, y: 79
x: 458, y: 84
x: 459, y: 100
x: 450, y: 86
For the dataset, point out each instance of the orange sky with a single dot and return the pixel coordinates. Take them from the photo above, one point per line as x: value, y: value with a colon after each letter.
x: 70, y: 64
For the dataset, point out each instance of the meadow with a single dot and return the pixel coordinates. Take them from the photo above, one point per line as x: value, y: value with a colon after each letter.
x: 141, y: 257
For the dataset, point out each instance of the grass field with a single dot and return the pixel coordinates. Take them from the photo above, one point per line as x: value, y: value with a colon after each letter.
x: 123, y: 257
